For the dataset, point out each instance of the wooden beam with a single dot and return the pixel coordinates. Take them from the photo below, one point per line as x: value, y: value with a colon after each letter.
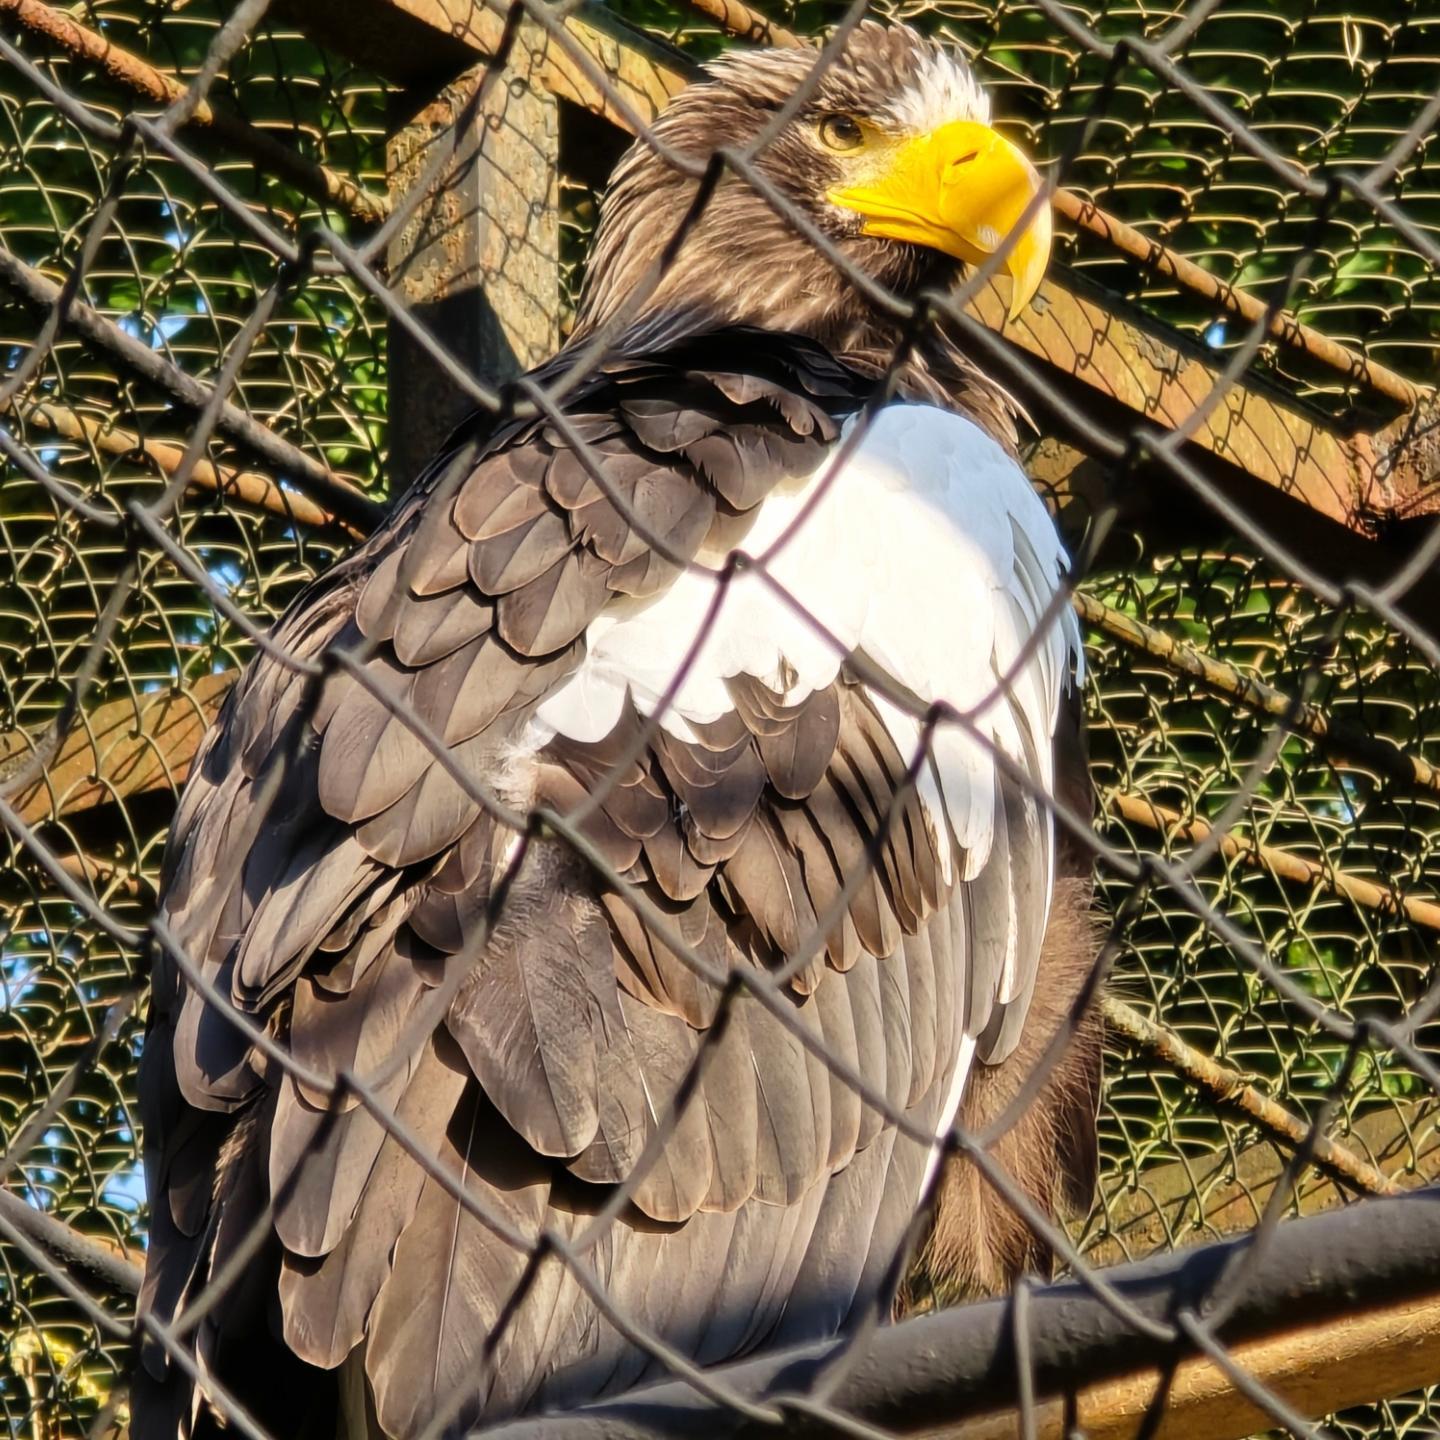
x: 1208, y: 1197
x: 1316, y: 1367
x: 477, y: 259
x: 412, y: 42
x: 1087, y: 346
x: 119, y: 749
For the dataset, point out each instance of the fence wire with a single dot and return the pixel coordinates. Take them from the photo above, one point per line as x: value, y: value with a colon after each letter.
x: 144, y: 532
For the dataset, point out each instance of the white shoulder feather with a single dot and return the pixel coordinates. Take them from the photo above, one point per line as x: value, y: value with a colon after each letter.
x: 927, y: 549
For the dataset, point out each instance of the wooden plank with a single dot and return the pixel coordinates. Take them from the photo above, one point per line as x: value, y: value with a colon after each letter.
x: 477, y: 259
x: 1214, y: 1196
x: 1281, y: 444
x: 122, y: 748
x: 1316, y: 1368
x: 414, y: 41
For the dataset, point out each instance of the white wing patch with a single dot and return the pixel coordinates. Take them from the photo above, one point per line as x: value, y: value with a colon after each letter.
x: 928, y: 550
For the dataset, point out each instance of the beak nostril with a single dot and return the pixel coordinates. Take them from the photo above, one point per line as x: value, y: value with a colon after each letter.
x: 960, y: 160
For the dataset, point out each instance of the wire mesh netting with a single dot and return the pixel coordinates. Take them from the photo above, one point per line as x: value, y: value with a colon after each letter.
x: 1326, y: 866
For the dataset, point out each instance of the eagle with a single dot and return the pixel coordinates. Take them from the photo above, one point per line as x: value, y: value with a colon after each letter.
x: 603, y: 890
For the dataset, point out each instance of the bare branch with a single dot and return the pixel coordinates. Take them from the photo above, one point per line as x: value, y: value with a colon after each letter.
x: 250, y: 487
x: 93, y: 1257
x: 332, y: 491
x: 1225, y: 679
x: 1281, y: 863
x: 1231, y: 1088
x: 739, y: 19
x: 318, y: 181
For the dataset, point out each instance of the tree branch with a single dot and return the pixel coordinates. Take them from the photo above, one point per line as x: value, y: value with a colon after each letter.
x: 1231, y: 1088
x: 247, y: 486
x: 1281, y: 863
x: 95, y: 1258
x: 327, y: 489
x: 1225, y: 679
x: 309, y: 177
x: 737, y: 18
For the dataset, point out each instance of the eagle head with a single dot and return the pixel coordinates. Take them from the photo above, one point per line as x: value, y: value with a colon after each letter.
x: 890, y: 156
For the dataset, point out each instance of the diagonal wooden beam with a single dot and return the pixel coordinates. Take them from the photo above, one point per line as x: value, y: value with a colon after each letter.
x: 419, y: 42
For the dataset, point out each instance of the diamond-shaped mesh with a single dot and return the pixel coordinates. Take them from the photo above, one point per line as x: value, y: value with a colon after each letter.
x: 179, y: 271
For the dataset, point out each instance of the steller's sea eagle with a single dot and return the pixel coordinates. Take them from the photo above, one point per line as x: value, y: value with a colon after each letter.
x: 535, y: 600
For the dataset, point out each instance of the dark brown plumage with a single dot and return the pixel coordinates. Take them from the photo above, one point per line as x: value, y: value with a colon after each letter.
x: 330, y: 878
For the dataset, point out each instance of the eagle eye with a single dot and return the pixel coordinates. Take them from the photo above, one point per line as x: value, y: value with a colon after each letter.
x: 841, y: 133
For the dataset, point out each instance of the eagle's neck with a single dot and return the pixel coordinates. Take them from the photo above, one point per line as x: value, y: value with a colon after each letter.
x: 655, y: 270
x: 932, y: 369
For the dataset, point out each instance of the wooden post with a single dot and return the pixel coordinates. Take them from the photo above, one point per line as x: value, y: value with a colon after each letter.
x: 477, y: 262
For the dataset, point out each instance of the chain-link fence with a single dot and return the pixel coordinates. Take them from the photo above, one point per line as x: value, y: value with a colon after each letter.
x: 1249, y: 669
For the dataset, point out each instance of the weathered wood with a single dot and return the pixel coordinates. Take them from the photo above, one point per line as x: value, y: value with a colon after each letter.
x: 418, y: 41
x: 1315, y: 1367
x: 117, y: 750
x: 477, y: 260
x: 1154, y: 378
x: 1149, y: 375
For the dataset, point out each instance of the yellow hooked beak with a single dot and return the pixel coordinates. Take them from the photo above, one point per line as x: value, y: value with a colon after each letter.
x: 960, y: 189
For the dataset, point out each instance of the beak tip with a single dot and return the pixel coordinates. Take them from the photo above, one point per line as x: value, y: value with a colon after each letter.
x: 1024, y: 287
x: 1028, y: 263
